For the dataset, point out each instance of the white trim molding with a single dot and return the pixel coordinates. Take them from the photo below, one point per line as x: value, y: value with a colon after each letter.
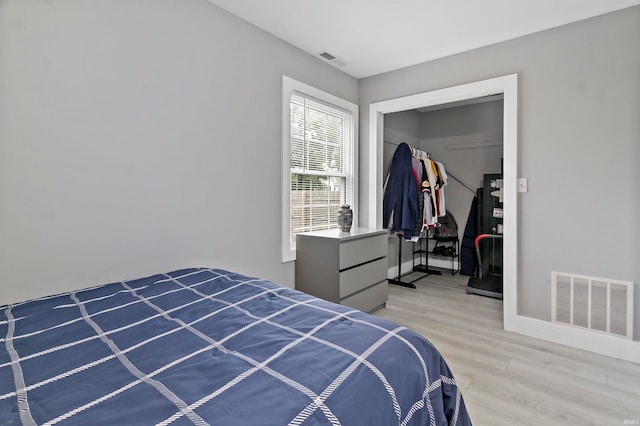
x: 616, y: 347
x: 289, y: 86
x: 508, y: 86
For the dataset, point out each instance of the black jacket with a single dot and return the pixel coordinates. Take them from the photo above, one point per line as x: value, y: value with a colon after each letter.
x: 401, y: 194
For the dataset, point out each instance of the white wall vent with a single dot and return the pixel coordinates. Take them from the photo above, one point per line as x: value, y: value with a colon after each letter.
x: 597, y: 304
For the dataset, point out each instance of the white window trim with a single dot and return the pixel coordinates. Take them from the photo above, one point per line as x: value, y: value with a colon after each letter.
x: 289, y: 86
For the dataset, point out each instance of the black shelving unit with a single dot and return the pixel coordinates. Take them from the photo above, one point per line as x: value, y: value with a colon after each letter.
x: 423, y: 253
x: 453, y: 250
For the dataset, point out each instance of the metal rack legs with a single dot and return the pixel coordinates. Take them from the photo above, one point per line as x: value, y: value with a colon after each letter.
x: 398, y: 280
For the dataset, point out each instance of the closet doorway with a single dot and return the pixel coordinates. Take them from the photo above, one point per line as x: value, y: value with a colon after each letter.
x: 504, y: 88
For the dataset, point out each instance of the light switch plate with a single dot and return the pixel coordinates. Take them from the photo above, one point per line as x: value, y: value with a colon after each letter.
x: 523, y: 185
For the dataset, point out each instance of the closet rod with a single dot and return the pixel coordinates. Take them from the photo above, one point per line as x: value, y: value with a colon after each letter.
x: 461, y: 183
x: 448, y: 174
x: 413, y: 150
x: 396, y: 144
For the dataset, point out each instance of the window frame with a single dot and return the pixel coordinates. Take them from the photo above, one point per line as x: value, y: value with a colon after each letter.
x: 289, y: 86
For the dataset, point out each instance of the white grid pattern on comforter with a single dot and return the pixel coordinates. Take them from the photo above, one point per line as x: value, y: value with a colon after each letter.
x: 208, y: 346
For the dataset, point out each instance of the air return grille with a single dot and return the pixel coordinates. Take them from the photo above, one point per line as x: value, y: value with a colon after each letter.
x: 597, y: 304
x: 328, y: 56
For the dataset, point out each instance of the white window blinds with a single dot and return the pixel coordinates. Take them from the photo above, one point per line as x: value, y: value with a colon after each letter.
x: 320, y: 163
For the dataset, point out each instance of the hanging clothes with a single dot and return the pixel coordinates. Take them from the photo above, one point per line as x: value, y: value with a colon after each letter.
x: 442, y: 182
x: 400, y: 201
x: 428, y: 210
x: 417, y: 172
x: 432, y: 190
x: 413, y: 192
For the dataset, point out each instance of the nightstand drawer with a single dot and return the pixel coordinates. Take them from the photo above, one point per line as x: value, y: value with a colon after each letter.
x: 361, y: 277
x: 362, y: 250
x: 369, y: 300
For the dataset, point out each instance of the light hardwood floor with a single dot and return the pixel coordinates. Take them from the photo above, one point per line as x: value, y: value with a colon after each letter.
x: 507, y: 378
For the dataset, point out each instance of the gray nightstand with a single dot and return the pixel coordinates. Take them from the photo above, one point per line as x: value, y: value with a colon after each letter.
x: 349, y: 268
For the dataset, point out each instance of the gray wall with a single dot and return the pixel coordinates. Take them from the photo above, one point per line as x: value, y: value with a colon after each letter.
x: 579, y: 103
x: 444, y: 129
x: 399, y: 127
x: 138, y: 137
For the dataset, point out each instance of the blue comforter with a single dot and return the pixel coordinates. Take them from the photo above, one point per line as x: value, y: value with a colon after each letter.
x: 208, y: 346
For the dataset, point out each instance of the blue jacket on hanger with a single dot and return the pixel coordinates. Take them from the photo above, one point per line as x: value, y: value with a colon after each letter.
x: 401, y: 194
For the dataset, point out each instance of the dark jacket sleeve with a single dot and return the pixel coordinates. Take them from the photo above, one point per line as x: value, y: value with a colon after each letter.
x: 400, y: 196
x: 409, y: 206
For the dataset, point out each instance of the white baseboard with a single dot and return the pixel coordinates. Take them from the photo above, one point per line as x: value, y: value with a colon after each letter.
x: 616, y: 347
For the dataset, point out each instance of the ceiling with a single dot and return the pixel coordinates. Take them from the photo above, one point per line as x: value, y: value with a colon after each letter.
x: 369, y: 37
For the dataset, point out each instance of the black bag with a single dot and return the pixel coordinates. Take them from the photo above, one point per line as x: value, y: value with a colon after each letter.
x: 447, y: 226
x: 468, y: 258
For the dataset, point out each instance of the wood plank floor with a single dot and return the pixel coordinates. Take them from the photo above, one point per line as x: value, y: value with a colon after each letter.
x: 507, y: 378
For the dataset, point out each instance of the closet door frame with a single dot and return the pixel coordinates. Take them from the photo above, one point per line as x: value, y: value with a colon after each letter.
x: 506, y: 85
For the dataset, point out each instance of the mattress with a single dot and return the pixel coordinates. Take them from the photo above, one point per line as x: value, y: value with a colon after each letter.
x: 210, y: 346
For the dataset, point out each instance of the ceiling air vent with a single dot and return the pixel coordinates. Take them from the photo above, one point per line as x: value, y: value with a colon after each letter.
x: 328, y: 56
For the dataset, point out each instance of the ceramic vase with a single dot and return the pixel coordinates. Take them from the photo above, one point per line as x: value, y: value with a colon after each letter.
x: 345, y: 218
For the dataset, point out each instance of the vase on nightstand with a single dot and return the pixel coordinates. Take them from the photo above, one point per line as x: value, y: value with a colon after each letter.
x: 345, y: 218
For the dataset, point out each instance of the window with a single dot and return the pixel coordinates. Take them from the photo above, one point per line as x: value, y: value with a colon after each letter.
x: 319, y: 133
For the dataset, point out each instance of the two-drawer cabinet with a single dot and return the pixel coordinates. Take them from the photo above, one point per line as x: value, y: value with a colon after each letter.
x: 349, y: 268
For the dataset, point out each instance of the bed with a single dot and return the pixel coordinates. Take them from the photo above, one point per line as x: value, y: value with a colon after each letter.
x: 209, y: 346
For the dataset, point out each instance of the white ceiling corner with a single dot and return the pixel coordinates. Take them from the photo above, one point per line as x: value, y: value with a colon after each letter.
x: 369, y: 37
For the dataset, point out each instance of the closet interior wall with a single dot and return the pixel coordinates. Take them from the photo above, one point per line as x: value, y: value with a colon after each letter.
x: 467, y: 139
